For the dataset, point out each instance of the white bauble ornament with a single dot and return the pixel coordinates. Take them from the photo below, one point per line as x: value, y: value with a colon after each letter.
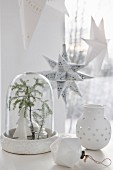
x: 66, y: 151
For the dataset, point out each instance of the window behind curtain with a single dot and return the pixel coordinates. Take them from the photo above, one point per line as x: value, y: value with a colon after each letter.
x: 98, y: 90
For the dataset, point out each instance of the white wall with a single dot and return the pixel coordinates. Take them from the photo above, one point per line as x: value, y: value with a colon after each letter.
x: 47, y: 40
x: 0, y: 70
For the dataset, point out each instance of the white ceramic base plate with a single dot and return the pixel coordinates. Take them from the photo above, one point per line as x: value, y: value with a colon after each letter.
x: 28, y: 146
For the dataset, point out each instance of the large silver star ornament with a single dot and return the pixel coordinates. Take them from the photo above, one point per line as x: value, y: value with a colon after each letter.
x: 65, y: 74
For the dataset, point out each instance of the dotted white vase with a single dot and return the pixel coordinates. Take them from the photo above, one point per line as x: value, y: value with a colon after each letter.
x: 93, y: 128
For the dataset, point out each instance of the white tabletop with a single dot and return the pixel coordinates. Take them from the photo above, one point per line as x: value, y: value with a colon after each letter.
x: 45, y: 161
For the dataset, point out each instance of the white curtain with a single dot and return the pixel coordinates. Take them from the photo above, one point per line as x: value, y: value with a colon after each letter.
x: 77, y: 26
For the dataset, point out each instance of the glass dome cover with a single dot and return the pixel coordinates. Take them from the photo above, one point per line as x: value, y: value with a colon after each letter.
x: 29, y: 114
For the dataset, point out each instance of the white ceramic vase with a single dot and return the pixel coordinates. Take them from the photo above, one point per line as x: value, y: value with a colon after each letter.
x: 93, y: 128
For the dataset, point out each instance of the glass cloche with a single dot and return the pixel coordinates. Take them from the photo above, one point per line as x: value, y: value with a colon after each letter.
x: 29, y: 110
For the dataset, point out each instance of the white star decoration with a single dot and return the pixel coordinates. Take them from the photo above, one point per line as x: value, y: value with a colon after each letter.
x: 65, y: 74
x: 30, y: 12
x: 97, y: 44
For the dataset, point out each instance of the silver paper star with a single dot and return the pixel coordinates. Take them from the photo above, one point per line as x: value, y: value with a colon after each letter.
x: 65, y: 74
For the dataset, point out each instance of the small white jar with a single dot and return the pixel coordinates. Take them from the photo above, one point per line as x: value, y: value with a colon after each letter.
x: 93, y: 128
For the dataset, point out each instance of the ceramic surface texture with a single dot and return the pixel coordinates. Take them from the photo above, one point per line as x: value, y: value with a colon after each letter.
x: 28, y: 146
x: 93, y: 128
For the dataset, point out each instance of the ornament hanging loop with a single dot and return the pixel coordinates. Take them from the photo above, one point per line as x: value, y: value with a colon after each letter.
x: 85, y: 157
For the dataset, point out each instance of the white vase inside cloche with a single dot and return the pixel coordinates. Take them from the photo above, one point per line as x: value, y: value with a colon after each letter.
x: 29, y: 115
x: 93, y: 128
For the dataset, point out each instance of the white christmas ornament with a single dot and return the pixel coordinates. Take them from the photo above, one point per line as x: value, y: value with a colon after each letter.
x: 30, y: 11
x: 22, y: 130
x: 97, y: 44
x: 66, y: 151
x: 65, y: 74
